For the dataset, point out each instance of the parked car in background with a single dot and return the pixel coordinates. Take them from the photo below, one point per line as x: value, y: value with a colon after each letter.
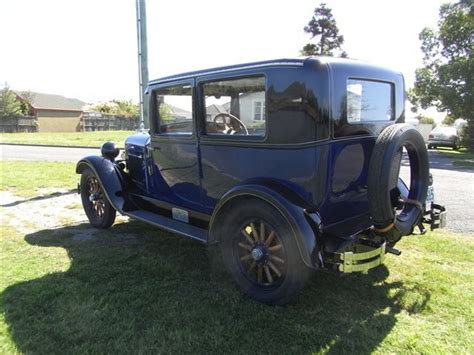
x: 288, y: 166
x: 443, y: 137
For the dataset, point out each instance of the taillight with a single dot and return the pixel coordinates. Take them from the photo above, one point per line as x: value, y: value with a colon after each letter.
x: 430, y: 136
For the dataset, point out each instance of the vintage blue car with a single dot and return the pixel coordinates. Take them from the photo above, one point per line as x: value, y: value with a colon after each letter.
x: 288, y: 165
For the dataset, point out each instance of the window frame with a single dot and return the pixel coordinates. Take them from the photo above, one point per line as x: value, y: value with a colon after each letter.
x: 262, y: 109
x: 203, y: 135
x: 391, y: 84
x: 155, y: 119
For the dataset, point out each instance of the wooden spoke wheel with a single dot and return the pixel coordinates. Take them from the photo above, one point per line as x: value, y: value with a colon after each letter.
x: 261, y: 253
x: 97, y: 207
x: 96, y: 196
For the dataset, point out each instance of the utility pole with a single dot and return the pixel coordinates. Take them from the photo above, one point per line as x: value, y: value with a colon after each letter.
x: 142, y: 64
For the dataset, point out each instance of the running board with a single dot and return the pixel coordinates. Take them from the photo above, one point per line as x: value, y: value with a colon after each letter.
x: 169, y: 224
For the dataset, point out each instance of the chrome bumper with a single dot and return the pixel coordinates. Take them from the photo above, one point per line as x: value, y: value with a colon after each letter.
x: 361, y: 259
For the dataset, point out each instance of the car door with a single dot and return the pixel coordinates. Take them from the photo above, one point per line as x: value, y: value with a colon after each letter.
x: 175, y: 174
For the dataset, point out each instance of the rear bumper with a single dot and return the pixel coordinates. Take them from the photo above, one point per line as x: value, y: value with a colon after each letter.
x: 354, y: 261
x: 441, y: 143
x: 362, y: 256
x: 435, y: 218
x: 358, y: 257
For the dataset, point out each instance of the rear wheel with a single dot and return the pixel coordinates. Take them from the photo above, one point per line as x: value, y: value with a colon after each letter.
x: 97, y: 207
x: 260, y: 252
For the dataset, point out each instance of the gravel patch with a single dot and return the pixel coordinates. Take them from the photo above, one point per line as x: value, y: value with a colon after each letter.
x: 52, y: 210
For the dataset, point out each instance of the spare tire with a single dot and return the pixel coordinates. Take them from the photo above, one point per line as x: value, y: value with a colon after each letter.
x: 384, y: 168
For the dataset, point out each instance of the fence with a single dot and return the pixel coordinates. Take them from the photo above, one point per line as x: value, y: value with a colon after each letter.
x: 18, y: 124
x: 95, y: 121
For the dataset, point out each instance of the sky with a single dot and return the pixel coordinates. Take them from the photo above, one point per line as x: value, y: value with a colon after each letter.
x: 87, y: 49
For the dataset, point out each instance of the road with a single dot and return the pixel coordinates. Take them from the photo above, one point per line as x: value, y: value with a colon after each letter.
x: 43, y: 153
x: 454, y: 187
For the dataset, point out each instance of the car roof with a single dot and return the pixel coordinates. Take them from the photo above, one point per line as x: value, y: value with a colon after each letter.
x: 284, y: 62
x: 334, y: 62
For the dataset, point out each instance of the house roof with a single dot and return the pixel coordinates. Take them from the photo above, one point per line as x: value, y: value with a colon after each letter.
x: 53, y: 102
x: 177, y: 111
x: 215, y: 109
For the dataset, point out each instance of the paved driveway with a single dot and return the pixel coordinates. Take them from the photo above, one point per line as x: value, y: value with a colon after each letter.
x: 454, y: 188
x: 42, y: 153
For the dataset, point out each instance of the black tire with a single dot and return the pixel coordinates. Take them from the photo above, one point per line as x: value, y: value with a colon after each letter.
x: 383, y: 177
x: 273, y: 289
x: 97, y: 207
x: 430, y: 146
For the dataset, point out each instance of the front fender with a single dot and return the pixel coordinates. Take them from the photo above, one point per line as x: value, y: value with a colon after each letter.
x: 109, y: 178
x: 305, y: 223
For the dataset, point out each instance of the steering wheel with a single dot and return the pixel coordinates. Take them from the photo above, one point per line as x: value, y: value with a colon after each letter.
x: 230, y: 123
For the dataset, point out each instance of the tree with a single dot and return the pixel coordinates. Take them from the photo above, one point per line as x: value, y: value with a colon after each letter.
x: 446, y: 80
x: 426, y: 120
x: 10, y: 106
x: 26, y: 100
x: 322, y: 26
x: 449, y: 120
x: 127, y: 109
x: 122, y: 108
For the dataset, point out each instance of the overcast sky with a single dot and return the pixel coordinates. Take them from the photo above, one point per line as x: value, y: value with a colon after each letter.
x: 87, y: 48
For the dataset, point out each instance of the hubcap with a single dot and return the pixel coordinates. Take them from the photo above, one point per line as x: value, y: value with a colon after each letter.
x: 257, y: 253
x: 261, y: 254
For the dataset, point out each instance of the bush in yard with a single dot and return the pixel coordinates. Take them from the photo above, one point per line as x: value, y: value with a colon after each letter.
x: 10, y: 106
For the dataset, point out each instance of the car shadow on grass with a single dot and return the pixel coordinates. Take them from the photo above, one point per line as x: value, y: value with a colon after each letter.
x: 136, y: 289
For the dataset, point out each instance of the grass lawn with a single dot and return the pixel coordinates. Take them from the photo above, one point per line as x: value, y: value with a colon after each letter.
x: 461, y: 158
x: 456, y: 154
x: 24, y: 178
x: 86, y: 139
x: 136, y: 289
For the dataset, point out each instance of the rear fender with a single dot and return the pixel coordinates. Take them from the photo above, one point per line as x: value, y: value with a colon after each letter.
x: 304, y: 222
x: 109, y: 177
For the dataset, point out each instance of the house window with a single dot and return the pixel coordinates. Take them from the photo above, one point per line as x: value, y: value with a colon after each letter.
x: 235, y: 107
x: 258, y: 110
x: 369, y: 101
x: 174, y: 110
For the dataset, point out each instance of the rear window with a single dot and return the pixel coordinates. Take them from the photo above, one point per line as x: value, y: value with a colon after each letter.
x: 369, y: 101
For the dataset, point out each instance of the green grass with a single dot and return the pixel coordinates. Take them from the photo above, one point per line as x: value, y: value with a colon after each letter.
x: 86, y: 139
x: 136, y: 289
x: 25, y: 178
x: 464, y: 163
x: 456, y: 154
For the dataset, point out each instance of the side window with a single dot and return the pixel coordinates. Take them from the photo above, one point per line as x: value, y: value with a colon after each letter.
x: 174, y: 110
x: 369, y: 101
x: 235, y: 107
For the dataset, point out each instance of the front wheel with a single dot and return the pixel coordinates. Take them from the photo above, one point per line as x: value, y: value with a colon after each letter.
x: 260, y: 252
x: 97, y: 207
